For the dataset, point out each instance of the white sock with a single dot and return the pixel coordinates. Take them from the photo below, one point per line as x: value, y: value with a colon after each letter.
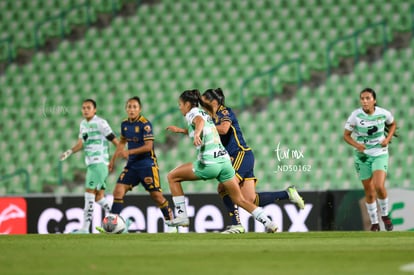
x: 180, y: 208
x: 88, y: 210
x: 372, y: 212
x: 260, y: 216
x: 105, y: 205
x: 383, y: 204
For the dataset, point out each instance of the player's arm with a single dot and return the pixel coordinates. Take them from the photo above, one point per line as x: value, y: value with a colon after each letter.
x: 78, y: 146
x: 198, y: 121
x: 119, y: 148
x: 225, y: 121
x: 111, y: 137
x: 391, y: 131
x: 223, y: 127
x: 120, y: 145
x: 147, y: 147
x: 348, y: 139
x: 107, y: 132
x: 176, y: 129
x: 115, y: 142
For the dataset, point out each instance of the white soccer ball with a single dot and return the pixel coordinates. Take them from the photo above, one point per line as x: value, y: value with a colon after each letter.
x: 113, y: 224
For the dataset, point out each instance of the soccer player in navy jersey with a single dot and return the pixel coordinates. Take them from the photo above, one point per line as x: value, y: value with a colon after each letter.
x: 142, y: 167
x: 243, y: 162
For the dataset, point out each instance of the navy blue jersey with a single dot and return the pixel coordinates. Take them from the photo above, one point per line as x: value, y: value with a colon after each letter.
x: 135, y: 133
x: 233, y: 141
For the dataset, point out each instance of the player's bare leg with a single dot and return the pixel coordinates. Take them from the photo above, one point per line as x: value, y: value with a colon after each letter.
x: 175, y: 177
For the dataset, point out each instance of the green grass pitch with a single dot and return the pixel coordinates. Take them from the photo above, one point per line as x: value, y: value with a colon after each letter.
x: 209, y: 253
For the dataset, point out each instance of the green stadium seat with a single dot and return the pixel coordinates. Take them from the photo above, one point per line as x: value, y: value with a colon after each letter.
x: 168, y: 47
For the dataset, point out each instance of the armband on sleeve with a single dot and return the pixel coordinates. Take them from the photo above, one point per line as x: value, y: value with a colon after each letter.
x: 110, y: 137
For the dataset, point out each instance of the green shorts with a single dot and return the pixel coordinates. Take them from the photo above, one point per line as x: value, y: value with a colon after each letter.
x: 96, y: 175
x: 220, y: 171
x: 365, y: 165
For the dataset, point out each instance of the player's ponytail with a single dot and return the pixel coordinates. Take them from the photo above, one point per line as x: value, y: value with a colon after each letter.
x: 215, y: 94
x: 191, y: 96
x: 205, y: 105
x: 219, y: 96
x: 194, y: 97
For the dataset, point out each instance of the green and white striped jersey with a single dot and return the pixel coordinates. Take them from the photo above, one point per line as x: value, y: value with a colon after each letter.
x: 211, y: 151
x: 370, y: 129
x: 95, y: 145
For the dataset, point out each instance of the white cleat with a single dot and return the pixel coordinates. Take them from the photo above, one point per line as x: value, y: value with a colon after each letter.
x: 179, y: 221
x: 271, y: 228
x: 294, y: 197
x: 172, y: 229
x: 234, y: 229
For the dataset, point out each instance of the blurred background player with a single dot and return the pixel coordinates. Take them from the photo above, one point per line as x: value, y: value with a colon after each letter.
x: 366, y: 130
x: 94, y: 135
x: 242, y: 158
x: 213, y: 161
x: 142, y: 167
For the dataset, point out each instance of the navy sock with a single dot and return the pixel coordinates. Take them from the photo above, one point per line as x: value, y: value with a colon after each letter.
x: 233, y: 210
x: 166, y: 210
x: 266, y: 198
x: 117, y: 206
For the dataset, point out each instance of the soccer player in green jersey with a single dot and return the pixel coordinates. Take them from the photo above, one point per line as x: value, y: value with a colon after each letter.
x: 213, y: 161
x: 366, y: 130
x: 243, y: 159
x: 94, y: 135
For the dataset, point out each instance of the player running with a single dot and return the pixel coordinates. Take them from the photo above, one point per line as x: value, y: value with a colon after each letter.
x: 366, y: 130
x: 213, y: 162
x: 94, y: 135
x: 242, y: 158
x: 142, y: 167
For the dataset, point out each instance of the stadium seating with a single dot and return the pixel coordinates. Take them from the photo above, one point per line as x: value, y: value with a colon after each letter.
x: 176, y: 45
x: 24, y: 20
x: 318, y: 124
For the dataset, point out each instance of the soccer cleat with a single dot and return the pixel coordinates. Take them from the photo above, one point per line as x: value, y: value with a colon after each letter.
x: 100, y: 229
x: 234, y: 229
x: 80, y: 231
x: 387, y: 223
x: 375, y: 227
x: 271, y: 228
x: 172, y: 229
x: 295, y: 197
x: 179, y: 221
